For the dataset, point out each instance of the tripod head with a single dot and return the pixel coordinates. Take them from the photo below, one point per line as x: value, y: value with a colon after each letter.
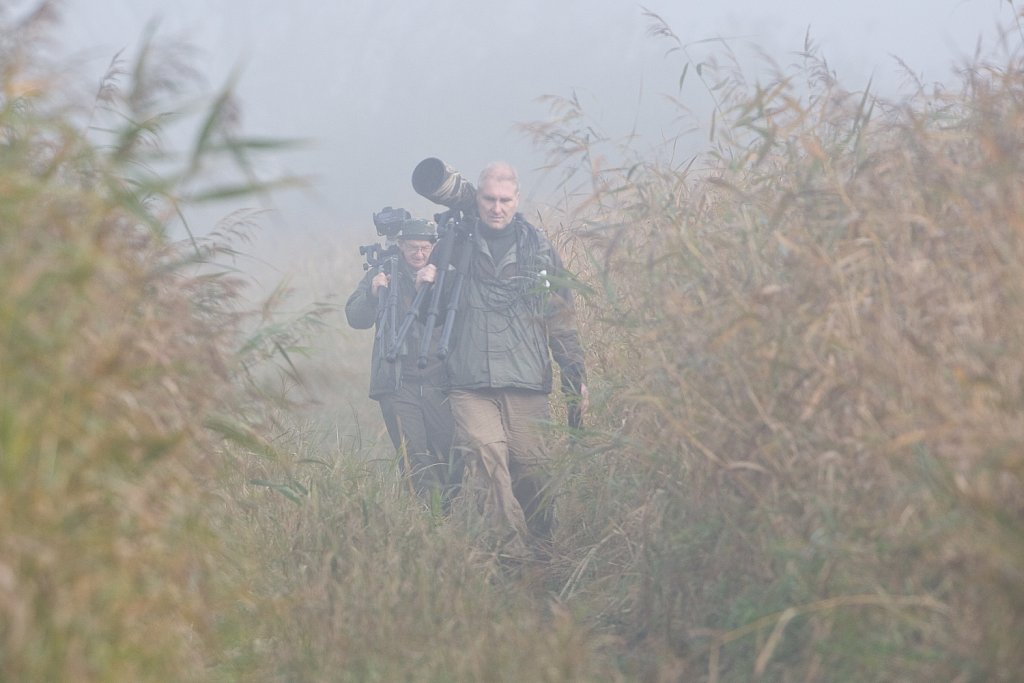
x: 377, y: 255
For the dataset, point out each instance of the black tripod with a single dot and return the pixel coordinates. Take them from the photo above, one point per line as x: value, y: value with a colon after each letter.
x: 456, y: 231
x: 385, y: 261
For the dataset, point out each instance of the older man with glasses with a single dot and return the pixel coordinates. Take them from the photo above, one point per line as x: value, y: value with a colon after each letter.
x: 412, y: 398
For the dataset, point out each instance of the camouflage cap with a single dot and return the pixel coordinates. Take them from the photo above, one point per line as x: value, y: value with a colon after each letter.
x: 417, y: 229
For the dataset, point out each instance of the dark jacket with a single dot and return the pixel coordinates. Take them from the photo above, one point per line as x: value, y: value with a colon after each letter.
x: 513, y: 317
x: 362, y: 310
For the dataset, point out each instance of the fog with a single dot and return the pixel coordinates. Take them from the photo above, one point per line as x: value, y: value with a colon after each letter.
x: 374, y: 86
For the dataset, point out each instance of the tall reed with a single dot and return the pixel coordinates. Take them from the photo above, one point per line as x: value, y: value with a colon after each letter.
x: 809, y: 348
x: 117, y: 344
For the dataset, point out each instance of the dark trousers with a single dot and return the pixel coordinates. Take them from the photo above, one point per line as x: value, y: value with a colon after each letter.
x: 419, y: 421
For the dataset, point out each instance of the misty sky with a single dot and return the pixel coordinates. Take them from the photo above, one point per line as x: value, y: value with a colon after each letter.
x: 377, y: 85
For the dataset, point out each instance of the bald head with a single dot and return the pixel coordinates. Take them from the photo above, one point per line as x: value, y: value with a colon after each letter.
x: 501, y: 171
x: 497, y: 195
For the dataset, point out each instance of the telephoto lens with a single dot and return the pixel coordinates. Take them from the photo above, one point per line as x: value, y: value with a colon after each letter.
x: 438, y: 182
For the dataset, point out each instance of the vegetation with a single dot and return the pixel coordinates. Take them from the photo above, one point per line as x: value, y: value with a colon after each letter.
x: 803, y: 461
x: 809, y: 460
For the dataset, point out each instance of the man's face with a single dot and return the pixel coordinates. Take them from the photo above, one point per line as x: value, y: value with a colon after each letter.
x: 416, y: 252
x: 496, y: 202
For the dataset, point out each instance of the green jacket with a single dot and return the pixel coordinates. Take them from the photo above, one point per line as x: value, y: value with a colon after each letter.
x: 514, y: 317
x: 362, y: 310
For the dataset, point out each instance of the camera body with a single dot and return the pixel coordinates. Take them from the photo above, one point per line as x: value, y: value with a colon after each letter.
x: 389, y: 221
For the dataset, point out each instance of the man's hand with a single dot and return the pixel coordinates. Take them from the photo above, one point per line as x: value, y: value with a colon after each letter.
x: 426, y: 275
x: 578, y: 404
x: 379, y: 280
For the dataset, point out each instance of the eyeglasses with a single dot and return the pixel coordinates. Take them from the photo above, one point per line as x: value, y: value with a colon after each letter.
x: 409, y: 249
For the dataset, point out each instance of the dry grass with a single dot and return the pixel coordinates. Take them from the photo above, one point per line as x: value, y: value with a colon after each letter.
x: 803, y: 462
x: 117, y: 345
x: 351, y: 580
x: 809, y: 345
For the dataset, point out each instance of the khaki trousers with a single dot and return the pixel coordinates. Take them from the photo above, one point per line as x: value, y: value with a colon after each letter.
x: 500, y: 432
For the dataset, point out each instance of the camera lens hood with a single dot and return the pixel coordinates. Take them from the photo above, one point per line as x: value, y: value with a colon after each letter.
x: 438, y: 182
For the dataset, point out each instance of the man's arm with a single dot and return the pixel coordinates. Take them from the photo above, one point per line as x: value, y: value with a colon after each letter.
x: 567, y: 352
x: 564, y: 342
x: 361, y: 307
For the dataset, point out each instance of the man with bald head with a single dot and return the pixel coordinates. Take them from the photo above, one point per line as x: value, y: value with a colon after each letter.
x: 515, y: 315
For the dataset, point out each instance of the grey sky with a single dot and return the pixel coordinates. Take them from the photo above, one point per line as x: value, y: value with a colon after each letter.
x: 378, y: 85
